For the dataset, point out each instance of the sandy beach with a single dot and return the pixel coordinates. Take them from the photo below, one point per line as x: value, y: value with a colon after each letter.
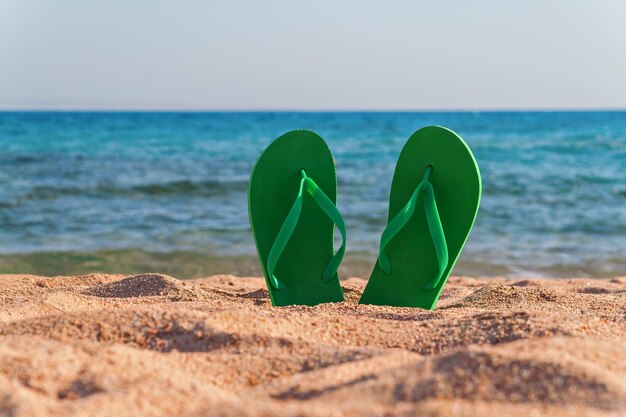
x: 148, y: 345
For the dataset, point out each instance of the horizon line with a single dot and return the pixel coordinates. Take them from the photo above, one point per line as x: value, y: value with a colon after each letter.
x: 314, y: 110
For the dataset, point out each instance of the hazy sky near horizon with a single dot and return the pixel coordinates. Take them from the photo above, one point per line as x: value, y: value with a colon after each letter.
x: 350, y: 54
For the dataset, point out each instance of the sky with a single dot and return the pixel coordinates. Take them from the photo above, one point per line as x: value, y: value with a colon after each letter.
x: 312, y: 55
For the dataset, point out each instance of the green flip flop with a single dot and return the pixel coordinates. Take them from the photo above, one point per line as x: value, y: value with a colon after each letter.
x: 292, y: 198
x: 434, y: 200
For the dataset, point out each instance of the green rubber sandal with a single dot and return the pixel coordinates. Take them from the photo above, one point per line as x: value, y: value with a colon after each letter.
x: 292, y: 198
x: 434, y: 200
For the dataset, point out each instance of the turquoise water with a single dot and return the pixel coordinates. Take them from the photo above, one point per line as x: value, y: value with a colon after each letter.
x: 125, y: 192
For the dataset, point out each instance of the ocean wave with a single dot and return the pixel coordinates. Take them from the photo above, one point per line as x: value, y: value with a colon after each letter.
x: 180, y: 188
x: 196, y: 264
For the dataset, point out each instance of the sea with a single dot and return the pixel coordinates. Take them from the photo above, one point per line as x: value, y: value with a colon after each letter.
x: 128, y: 192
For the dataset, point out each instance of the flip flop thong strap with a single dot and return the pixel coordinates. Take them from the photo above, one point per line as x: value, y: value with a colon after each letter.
x: 290, y: 223
x: 434, y: 226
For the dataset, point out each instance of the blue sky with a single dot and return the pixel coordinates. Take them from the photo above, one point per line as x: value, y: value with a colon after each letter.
x: 237, y: 54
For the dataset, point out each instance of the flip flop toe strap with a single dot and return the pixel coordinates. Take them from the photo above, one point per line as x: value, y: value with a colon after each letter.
x: 434, y: 226
x: 290, y: 223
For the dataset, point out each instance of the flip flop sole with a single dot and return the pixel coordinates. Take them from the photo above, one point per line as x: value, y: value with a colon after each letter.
x: 273, y: 187
x: 457, y: 186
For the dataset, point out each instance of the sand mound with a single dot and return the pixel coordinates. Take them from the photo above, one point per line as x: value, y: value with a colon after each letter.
x: 528, y: 295
x: 499, y: 374
x: 142, y: 285
x: 153, y: 345
x: 153, y: 329
x: 506, y: 377
x: 41, y: 377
